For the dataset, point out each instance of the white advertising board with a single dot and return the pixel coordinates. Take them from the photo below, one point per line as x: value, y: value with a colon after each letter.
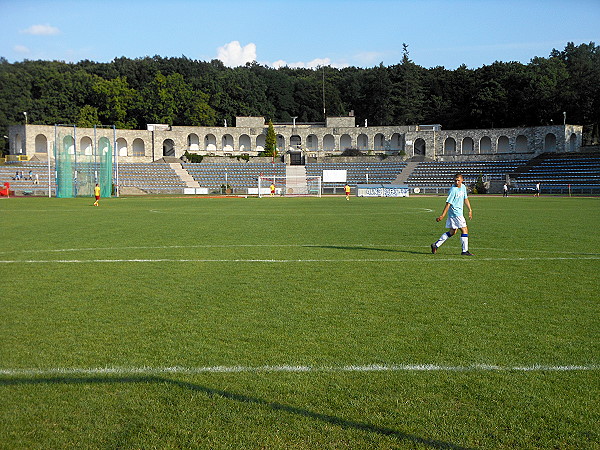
x: 334, y: 176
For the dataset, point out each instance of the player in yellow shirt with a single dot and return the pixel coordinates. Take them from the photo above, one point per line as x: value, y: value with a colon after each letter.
x: 272, y: 189
x: 347, y: 191
x: 97, y: 194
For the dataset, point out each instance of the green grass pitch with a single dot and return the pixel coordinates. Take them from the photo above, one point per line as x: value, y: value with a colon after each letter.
x: 298, y: 323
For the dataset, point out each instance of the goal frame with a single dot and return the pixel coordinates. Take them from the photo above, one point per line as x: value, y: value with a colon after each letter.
x: 286, y: 186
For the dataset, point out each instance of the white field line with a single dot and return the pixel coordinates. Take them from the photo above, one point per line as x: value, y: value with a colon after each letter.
x: 326, y: 245
x: 294, y: 369
x: 165, y: 247
x: 432, y: 259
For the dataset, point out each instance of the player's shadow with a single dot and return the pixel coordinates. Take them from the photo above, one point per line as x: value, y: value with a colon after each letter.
x: 211, y: 392
x: 373, y: 249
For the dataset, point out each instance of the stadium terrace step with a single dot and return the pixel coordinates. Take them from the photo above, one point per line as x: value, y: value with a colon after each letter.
x: 402, y: 177
x: 184, y: 175
x: 296, y: 179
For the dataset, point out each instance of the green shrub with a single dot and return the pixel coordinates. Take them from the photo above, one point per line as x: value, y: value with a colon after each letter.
x: 193, y: 157
x: 479, y: 186
x: 352, y: 152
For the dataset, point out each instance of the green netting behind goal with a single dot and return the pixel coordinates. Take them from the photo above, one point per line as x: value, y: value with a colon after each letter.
x: 79, y: 166
x: 105, y: 170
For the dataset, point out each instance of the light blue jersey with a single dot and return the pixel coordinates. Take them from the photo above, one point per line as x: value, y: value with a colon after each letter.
x: 456, y: 198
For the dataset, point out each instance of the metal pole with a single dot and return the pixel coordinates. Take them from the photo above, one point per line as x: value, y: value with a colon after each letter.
x: 75, y: 155
x: 55, y: 157
x: 48, y: 153
x: 324, y: 113
x: 116, y: 160
x: 95, y: 157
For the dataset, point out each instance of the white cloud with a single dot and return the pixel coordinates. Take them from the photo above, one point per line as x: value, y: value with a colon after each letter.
x: 317, y: 62
x: 369, y: 58
x: 233, y: 54
x: 41, y: 30
x: 20, y: 49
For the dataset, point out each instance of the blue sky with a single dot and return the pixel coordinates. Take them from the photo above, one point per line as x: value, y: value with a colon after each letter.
x: 296, y: 33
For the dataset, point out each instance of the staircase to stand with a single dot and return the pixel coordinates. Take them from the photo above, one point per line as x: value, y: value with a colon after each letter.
x: 403, y: 176
x: 184, y: 175
x: 532, y: 163
x: 296, y: 180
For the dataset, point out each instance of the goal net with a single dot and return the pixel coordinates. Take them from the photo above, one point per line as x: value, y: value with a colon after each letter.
x: 290, y: 186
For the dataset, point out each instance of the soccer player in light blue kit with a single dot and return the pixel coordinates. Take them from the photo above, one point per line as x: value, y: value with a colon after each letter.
x: 454, y: 208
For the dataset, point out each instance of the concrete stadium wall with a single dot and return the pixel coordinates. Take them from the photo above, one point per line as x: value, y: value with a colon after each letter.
x: 313, y: 140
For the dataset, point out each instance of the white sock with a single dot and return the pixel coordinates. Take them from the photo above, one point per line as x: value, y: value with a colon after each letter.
x: 442, y: 238
x: 464, y: 240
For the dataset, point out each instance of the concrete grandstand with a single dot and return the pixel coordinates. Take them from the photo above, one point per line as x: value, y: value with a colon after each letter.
x: 423, y: 157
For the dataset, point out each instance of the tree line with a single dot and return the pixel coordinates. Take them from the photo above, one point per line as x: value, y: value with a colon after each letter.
x: 131, y: 93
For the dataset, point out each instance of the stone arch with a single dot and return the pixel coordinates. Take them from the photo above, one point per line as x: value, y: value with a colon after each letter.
x: 227, y: 143
x: 193, y: 142
x: 467, y: 146
x: 503, y: 145
x: 69, y: 144
x: 449, y: 146
x: 280, y: 142
x: 86, y: 147
x: 103, y: 146
x: 345, y: 142
x: 521, y: 143
x: 419, y: 147
x: 396, y: 142
x: 41, y: 143
x: 485, y: 145
x: 138, y: 147
x: 168, y: 147
x: 328, y: 142
x: 261, y: 141
x: 245, y: 144
x: 18, y: 143
x: 550, y: 143
x: 379, y: 142
x: 573, y: 142
x: 210, y: 143
x: 312, y: 142
x: 362, y: 142
x: 122, y: 147
x: 295, y: 142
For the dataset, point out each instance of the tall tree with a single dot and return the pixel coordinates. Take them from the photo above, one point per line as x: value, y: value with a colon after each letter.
x: 270, y: 141
x: 115, y: 99
x: 408, y: 93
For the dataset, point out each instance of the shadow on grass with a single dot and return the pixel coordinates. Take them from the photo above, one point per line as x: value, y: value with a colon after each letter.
x: 211, y: 392
x: 341, y: 247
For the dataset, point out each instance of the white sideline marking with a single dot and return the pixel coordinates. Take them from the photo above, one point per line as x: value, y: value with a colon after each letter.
x: 167, y: 260
x: 326, y: 245
x: 163, y: 247
x: 293, y: 369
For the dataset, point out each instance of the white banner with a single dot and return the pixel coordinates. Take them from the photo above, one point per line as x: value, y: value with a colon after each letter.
x: 334, y: 176
x: 381, y: 190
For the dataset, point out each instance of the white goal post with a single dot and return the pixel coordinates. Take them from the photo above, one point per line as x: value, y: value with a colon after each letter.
x: 290, y: 186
